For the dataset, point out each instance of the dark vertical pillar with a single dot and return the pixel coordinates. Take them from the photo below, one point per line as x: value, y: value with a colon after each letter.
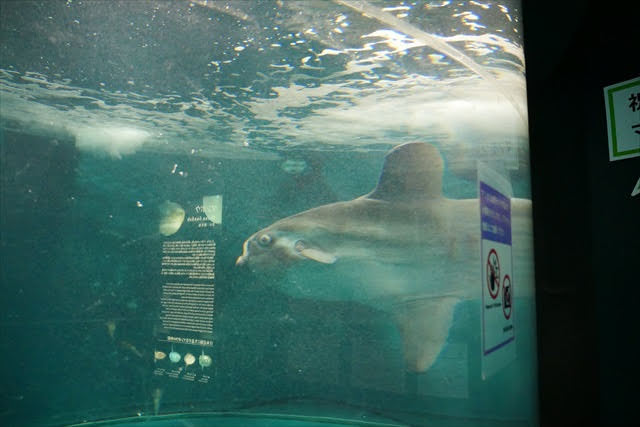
x: 587, y: 229
x: 613, y: 57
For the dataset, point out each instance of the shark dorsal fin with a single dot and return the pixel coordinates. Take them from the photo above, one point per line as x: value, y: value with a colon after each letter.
x: 411, y: 171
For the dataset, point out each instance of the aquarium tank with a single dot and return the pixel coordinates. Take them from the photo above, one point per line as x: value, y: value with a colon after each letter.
x: 280, y: 213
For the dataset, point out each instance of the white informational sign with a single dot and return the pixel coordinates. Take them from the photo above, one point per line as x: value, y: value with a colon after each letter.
x: 622, y: 101
x: 498, y: 332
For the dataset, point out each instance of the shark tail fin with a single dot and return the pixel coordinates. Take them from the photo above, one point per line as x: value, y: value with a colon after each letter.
x: 424, y: 324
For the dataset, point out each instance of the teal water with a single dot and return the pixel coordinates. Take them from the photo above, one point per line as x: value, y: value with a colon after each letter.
x: 108, y: 109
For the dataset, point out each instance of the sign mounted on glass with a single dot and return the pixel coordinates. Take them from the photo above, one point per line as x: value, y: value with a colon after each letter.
x: 184, y: 333
x: 497, y: 278
x: 622, y: 102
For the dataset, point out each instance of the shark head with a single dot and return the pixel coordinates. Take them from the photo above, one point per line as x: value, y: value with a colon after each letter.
x: 281, y: 245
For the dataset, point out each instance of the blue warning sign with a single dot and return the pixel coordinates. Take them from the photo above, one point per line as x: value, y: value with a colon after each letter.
x: 498, y: 332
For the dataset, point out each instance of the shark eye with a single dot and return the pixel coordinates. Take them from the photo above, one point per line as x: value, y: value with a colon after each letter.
x: 300, y: 245
x: 264, y: 240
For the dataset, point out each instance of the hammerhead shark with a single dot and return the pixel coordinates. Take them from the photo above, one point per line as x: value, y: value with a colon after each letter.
x: 402, y: 248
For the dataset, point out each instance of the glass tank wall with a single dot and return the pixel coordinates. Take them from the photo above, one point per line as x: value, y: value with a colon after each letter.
x: 294, y: 212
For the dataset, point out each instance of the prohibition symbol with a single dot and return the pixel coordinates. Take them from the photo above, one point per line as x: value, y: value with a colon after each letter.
x: 493, y: 273
x: 506, y: 296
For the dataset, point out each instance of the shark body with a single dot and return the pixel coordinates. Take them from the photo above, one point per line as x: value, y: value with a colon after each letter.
x: 403, y: 248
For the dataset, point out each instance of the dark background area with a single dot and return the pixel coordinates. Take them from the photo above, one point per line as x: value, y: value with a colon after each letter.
x: 587, y: 225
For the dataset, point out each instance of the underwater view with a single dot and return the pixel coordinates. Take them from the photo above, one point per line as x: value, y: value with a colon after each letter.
x: 265, y: 213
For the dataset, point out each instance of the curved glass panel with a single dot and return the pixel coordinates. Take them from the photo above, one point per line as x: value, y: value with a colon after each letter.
x: 238, y: 211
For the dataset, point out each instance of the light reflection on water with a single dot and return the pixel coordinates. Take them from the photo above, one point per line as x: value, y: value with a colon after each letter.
x: 280, y: 75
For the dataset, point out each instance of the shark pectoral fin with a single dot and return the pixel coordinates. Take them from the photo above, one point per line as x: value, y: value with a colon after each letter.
x: 424, y: 325
x: 318, y: 255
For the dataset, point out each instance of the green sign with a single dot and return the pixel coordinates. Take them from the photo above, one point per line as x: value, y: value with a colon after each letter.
x: 622, y: 101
